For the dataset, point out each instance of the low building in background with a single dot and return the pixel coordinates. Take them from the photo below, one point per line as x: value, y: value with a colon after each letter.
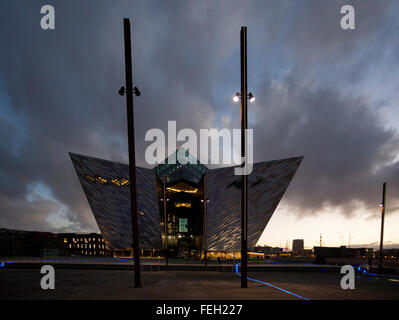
x: 341, y: 254
x: 391, y: 253
x: 269, y: 251
x: 11, y: 243
x: 82, y: 244
x: 21, y: 243
x: 14, y: 243
x: 308, y: 253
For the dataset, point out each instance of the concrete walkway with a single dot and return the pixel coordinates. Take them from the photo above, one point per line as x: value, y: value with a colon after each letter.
x: 115, y: 284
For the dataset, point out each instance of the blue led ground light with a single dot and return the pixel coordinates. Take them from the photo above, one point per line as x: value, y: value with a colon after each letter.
x: 269, y: 284
x: 366, y: 272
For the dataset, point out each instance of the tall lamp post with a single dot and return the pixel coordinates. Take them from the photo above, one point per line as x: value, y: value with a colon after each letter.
x: 129, y: 90
x: 204, y: 232
x: 382, y: 221
x: 165, y: 217
x: 244, y: 125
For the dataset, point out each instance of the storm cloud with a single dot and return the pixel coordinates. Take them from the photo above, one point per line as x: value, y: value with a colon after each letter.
x: 322, y: 92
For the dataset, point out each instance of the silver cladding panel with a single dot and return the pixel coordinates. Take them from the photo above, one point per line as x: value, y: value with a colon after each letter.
x: 111, y: 204
x: 266, y: 186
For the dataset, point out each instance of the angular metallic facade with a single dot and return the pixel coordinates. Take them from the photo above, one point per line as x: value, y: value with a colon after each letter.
x: 266, y: 186
x: 110, y: 202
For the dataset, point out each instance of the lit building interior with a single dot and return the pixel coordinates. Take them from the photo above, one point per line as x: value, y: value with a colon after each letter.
x: 182, y: 186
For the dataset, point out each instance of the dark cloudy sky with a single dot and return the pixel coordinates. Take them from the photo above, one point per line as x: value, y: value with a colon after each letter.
x: 322, y: 92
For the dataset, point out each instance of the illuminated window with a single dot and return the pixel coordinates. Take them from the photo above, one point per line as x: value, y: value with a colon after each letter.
x: 89, y: 246
x: 65, y: 240
x: 70, y: 246
x: 183, y: 204
x: 182, y: 187
x: 94, y: 245
x: 120, y: 182
x: 101, y: 180
x: 78, y: 245
x: 183, y: 225
x: 90, y: 178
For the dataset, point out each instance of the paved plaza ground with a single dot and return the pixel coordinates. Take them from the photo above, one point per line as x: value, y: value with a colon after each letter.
x: 209, y: 285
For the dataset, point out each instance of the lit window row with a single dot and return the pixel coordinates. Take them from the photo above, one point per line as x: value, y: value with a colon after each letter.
x: 100, y: 246
x: 182, y: 187
x: 90, y: 253
x: 86, y: 240
x: 119, y: 182
x: 183, y: 204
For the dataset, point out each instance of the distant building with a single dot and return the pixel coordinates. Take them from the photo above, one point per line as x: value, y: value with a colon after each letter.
x: 11, y: 243
x: 391, y: 253
x: 15, y: 243
x: 298, y: 247
x: 266, y: 250
x: 323, y: 253
x: 82, y: 244
x: 18, y: 243
x: 307, y: 252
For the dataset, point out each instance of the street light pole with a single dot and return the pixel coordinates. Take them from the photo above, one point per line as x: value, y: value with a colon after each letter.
x: 165, y: 217
x: 382, y: 221
x: 205, y: 225
x: 132, y: 155
x: 244, y: 189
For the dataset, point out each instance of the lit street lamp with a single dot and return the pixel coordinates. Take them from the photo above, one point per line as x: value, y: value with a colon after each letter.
x: 244, y: 126
x: 237, y: 97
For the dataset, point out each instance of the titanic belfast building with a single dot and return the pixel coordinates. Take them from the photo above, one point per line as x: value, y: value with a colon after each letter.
x: 202, y: 206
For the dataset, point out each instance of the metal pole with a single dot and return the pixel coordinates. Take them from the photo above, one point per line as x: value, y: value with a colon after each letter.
x: 382, y: 221
x: 244, y: 189
x: 132, y: 155
x: 204, y: 224
x: 165, y: 219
